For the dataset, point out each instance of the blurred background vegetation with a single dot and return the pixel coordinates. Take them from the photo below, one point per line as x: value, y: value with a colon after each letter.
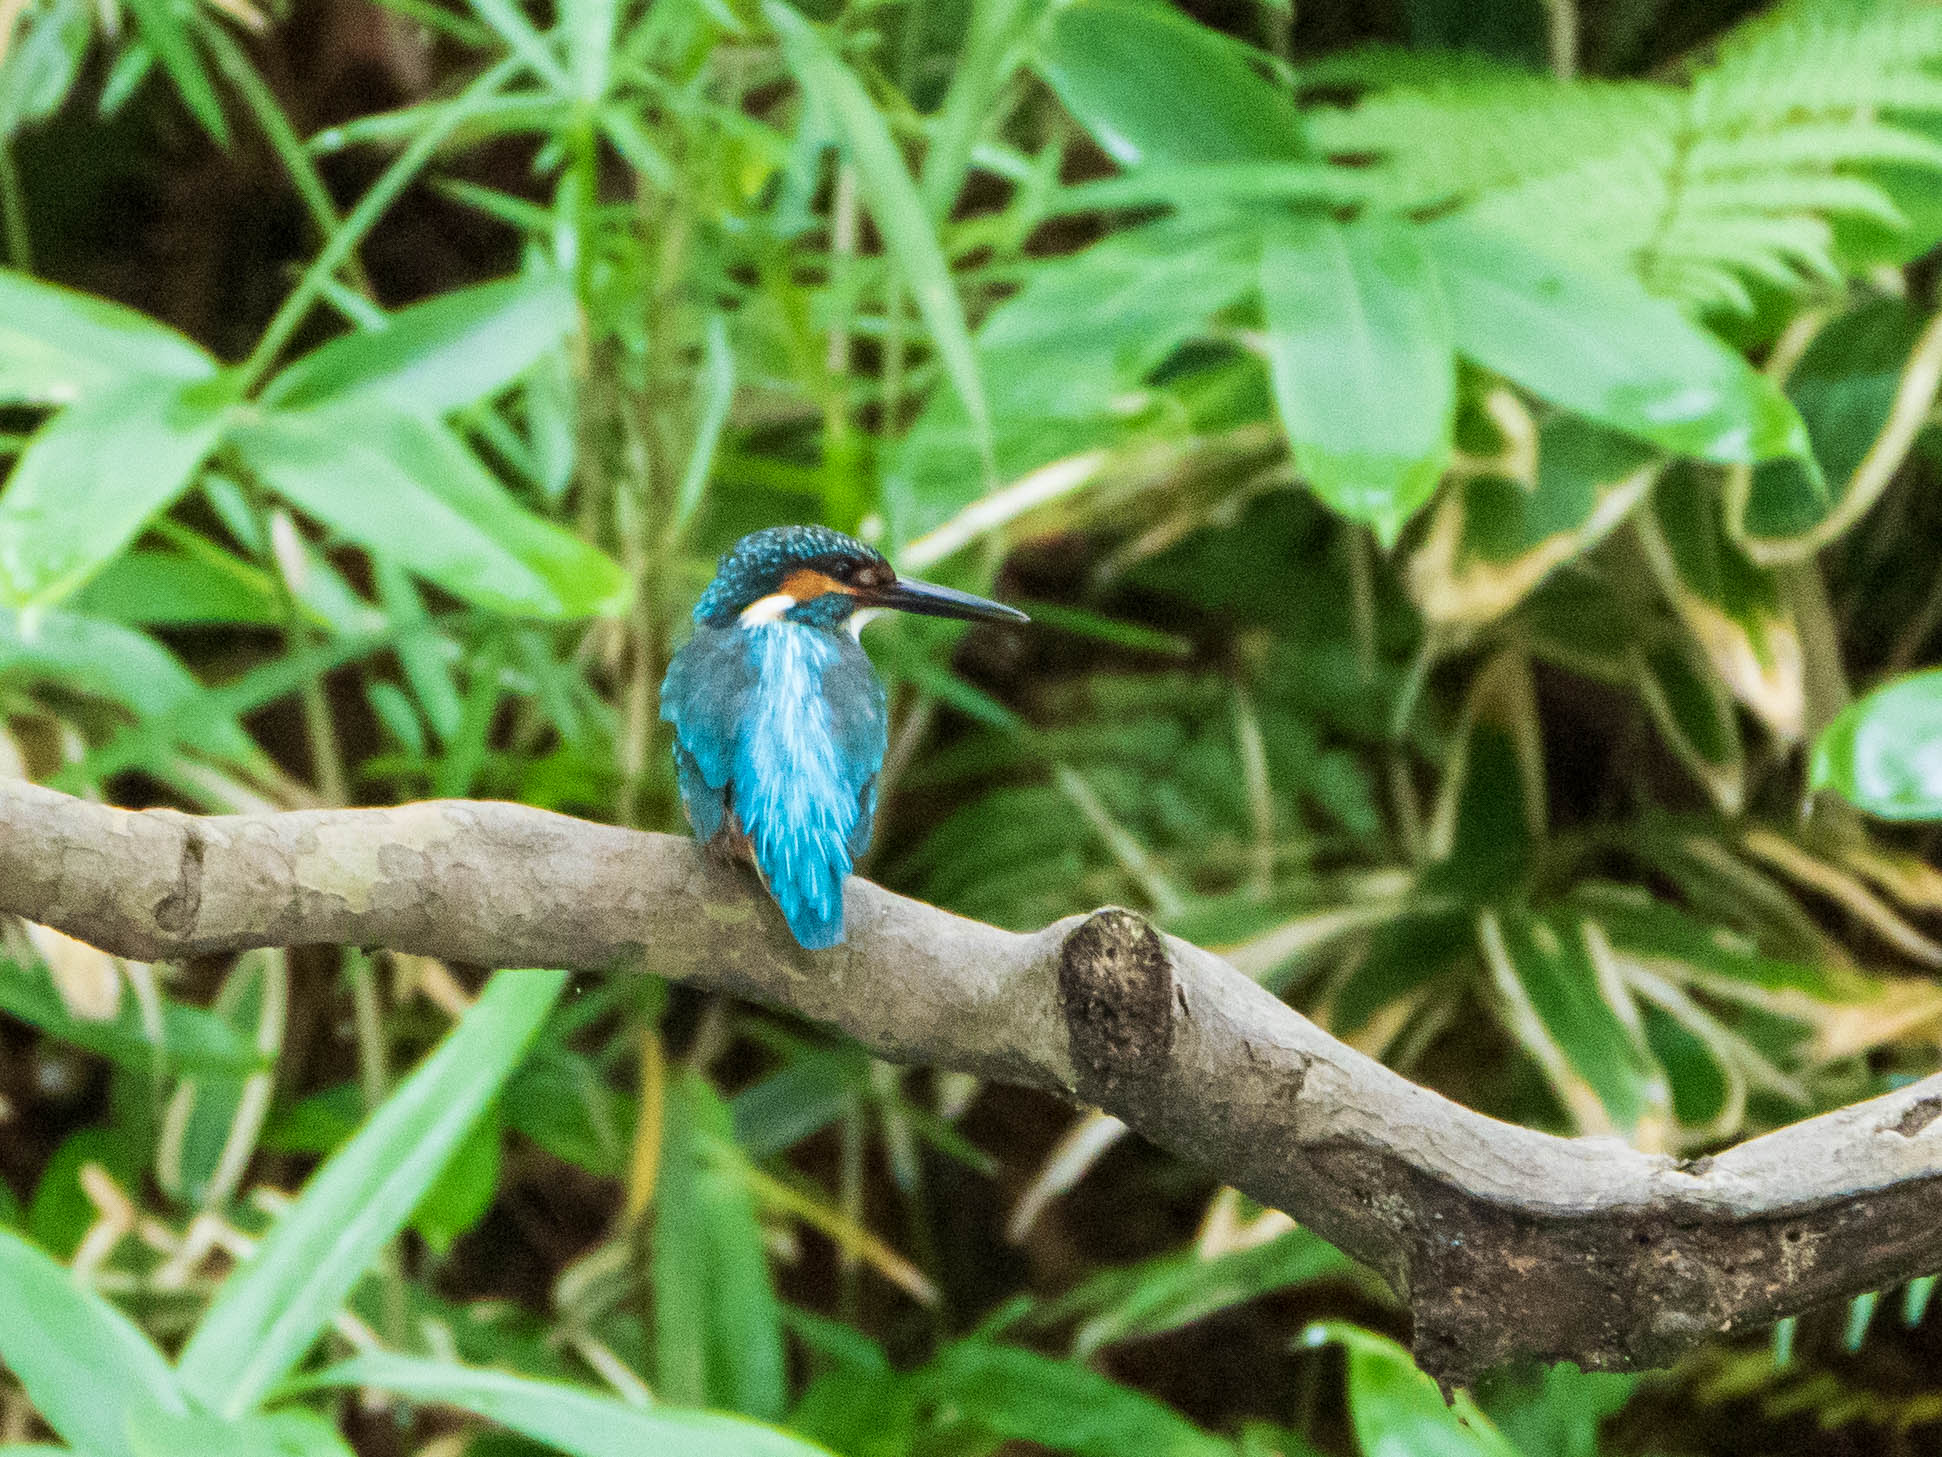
x: 1466, y: 460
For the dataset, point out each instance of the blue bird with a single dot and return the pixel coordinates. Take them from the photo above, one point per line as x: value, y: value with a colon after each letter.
x: 779, y: 720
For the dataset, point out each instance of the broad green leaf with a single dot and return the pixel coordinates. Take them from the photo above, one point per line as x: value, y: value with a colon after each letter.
x: 1608, y: 350
x: 1732, y: 607
x: 1864, y: 386
x: 1153, y: 85
x: 94, y: 474
x: 83, y: 1364
x: 435, y: 357
x: 1492, y: 540
x: 117, y: 664
x: 290, y: 1433
x: 563, y: 1417
x: 408, y: 489
x: 1359, y: 347
x: 168, y: 589
x: 893, y: 201
x: 270, y: 1311
x: 1067, y: 360
x: 1577, y: 1037
x: 58, y: 345
x: 1397, y: 1411
x: 718, y: 1337
x: 192, y: 1039
x: 1883, y: 754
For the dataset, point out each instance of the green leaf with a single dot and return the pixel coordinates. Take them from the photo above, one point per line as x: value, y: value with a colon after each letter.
x: 270, y: 1311
x: 893, y: 201
x: 167, y: 589
x: 565, y: 1417
x: 717, y: 1329
x: 1152, y: 85
x: 1363, y: 373
x: 1864, y: 386
x: 1492, y: 539
x: 437, y: 356
x: 259, y: 1434
x: 1397, y: 1410
x: 83, y: 1364
x: 92, y: 475
x: 1883, y: 754
x: 1609, y: 350
x: 1732, y: 607
x: 1554, y: 1410
x: 192, y: 1039
x: 1695, y: 714
x: 50, y: 44
x: 408, y: 489
x: 167, y: 34
x: 1579, y: 1038
x: 117, y: 664
x: 981, y: 1390
x: 58, y: 346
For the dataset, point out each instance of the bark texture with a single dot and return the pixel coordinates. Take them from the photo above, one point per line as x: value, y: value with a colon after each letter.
x: 1504, y: 1241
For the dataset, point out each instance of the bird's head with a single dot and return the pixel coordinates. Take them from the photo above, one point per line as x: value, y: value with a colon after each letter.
x: 822, y: 578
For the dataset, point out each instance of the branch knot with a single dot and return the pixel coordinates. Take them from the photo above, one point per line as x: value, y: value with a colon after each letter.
x: 1116, y: 990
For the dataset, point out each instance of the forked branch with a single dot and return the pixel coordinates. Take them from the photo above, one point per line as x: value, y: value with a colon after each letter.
x: 1505, y: 1242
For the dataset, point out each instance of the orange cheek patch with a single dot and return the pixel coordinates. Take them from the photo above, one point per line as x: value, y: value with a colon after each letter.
x: 806, y: 585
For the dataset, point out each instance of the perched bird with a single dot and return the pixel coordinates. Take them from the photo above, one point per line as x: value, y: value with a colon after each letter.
x: 779, y: 721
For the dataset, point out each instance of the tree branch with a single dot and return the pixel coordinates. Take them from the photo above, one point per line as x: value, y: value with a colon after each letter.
x: 1506, y: 1242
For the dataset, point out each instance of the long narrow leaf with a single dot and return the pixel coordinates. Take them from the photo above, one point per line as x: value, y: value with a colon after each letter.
x: 82, y: 1363
x: 268, y: 1314
x: 571, y: 1420
x: 893, y: 201
x: 58, y: 345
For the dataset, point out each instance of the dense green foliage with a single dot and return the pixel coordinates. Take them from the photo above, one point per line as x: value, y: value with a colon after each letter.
x: 1460, y: 464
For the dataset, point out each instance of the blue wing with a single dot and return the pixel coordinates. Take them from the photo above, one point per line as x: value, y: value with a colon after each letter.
x: 784, y: 724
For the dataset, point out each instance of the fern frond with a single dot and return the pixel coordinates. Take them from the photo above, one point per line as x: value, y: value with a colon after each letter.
x: 1738, y: 171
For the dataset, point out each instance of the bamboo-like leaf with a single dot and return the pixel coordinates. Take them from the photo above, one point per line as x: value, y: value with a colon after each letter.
x: 566, y: 1418
x: 893, y: 201
x: 83, y: 1364
x: 270, y: 1311
x: 58, y: 345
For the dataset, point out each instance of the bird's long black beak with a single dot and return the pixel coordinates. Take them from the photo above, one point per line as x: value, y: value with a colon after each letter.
x: 929, y: 600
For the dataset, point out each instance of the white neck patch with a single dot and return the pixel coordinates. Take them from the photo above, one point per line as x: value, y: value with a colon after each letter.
x: 862, y: 618
x: 767, y: 609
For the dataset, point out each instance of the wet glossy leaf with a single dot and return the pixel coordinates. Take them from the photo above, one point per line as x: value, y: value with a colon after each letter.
x: 83, y: 1364
x: 269, y: 1312
x: 434, y: 357
x: 1608, y: 350
x: 408, y: 489
x: 1492, y: 540
x: 94, y: 474
x: 1360, y: 351
x: 1883, y: 754
x: 1152, y: 85
x: 1864, y: 387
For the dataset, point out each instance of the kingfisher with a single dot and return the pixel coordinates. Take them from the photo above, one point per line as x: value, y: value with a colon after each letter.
x: 779, y: 719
